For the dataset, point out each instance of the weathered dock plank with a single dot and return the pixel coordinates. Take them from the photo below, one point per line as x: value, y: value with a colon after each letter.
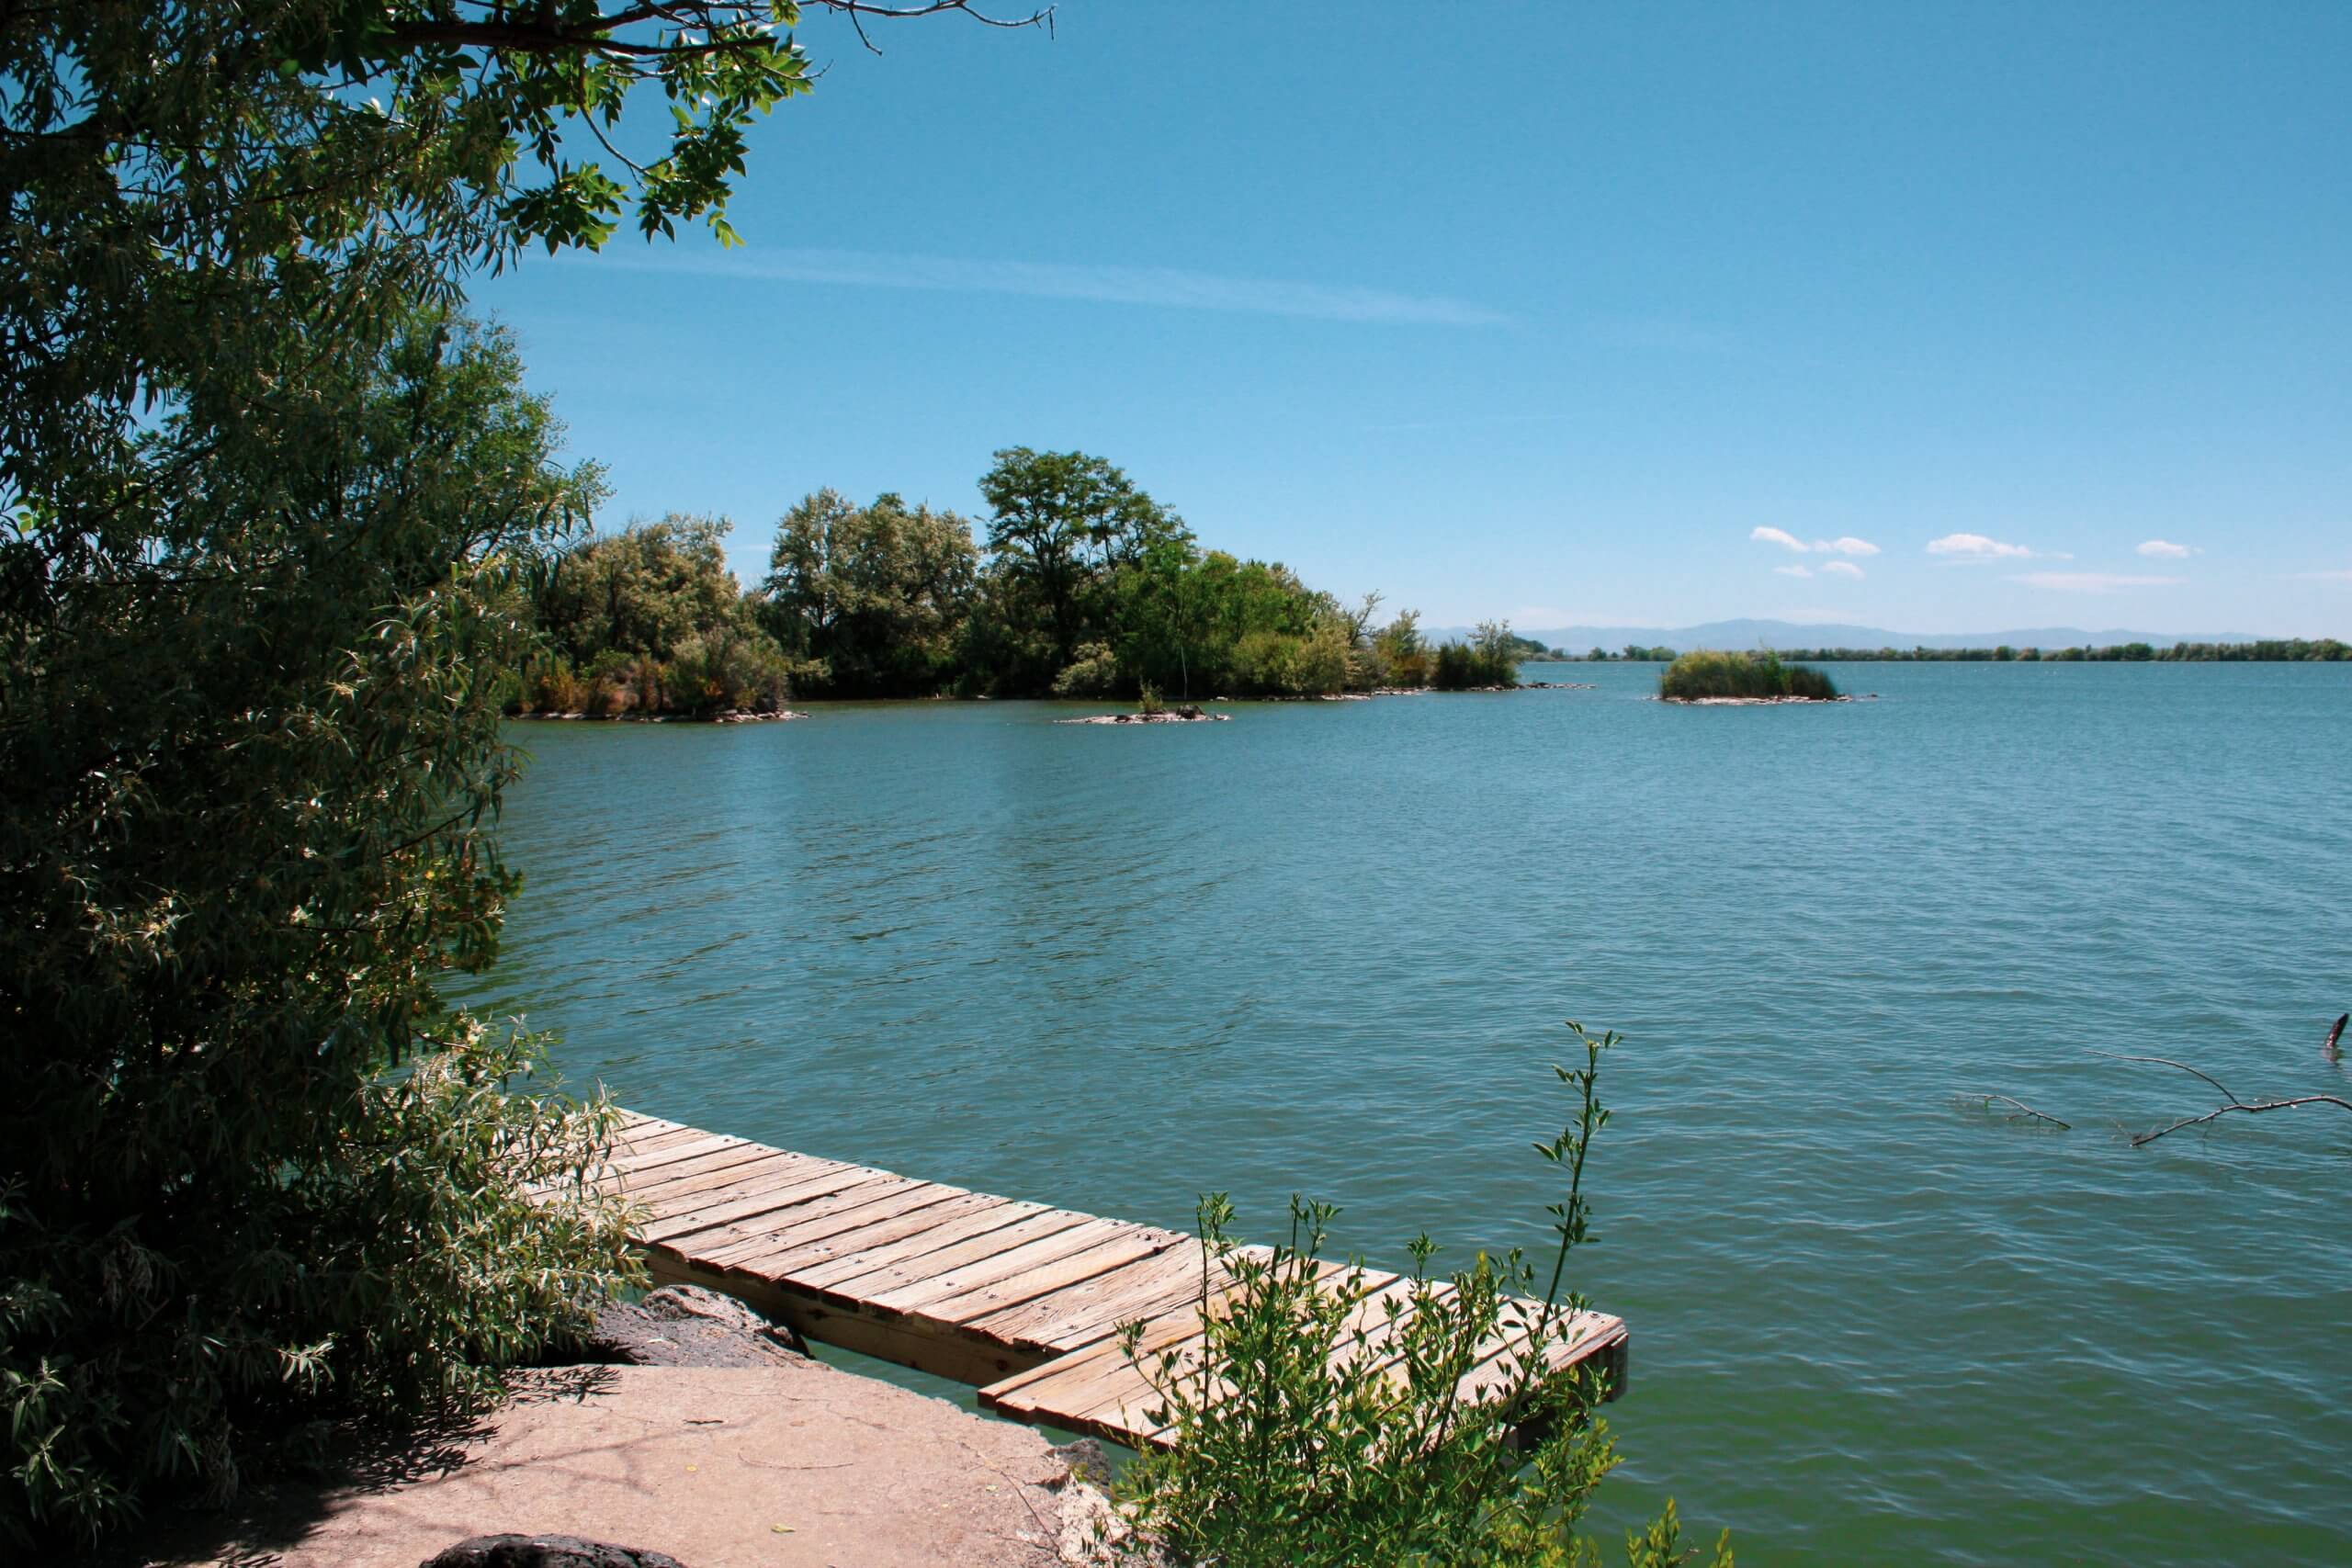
x: 1022, y: 1299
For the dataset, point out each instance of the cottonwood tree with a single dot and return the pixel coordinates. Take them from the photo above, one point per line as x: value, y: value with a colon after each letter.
x: 267, y: 514
x: 877, y: 596
x: 1060, y: 525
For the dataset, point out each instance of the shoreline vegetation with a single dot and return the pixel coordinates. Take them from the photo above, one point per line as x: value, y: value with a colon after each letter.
x: 1708, y: 677
x: 1077, y: 585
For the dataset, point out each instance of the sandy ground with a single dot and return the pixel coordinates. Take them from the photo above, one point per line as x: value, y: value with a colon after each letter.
x: 786, y: 1467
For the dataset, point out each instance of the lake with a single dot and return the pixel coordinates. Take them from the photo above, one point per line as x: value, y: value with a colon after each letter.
x: 1324, y: 948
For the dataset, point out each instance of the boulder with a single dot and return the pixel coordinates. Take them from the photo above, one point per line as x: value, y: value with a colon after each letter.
x: 684, y: 1326
x: 546, y: 1552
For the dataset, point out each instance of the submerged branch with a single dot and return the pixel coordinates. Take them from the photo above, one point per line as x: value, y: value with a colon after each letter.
x: 2021, y: 1105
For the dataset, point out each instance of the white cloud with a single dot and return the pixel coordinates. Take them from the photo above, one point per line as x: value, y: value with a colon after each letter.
x: 1843, y: 569
x: 2093, y: 581
x: 1792, y: 571
x: 1160, y: 285
x: 1977, y: 548
x: 2166, y: 548
x: 1844, y: 544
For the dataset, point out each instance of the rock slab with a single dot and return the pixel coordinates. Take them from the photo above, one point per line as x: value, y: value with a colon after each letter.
x: 546, y: 1552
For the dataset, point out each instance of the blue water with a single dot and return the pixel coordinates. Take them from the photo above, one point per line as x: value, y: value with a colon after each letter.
x: 1323, y: 948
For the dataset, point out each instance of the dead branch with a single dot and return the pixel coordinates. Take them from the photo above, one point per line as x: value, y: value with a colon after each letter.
x: 2255, y: 1106
x: 2168, y: 1062
x: 2021, y: 1105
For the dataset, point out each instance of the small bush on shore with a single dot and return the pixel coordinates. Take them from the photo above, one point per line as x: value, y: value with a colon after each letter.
x: 1311, y: 1426
x: 1707, y: 673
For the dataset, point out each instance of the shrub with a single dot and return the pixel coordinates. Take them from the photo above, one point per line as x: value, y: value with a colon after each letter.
x: 248, y: 1156
x: 1093, y: 672
x: 1707, y: 673
x: 1312, y: 1428
x: 1454, y: 670
x: 1321, y: 666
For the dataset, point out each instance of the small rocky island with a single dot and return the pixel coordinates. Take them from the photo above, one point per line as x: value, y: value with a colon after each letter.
x: 1183, y: 713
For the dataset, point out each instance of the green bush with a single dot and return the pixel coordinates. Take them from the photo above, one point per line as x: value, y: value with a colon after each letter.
x: 1313, y: 1426
x: 1489, y: 658
x: 1707, y: 673
x: 1093, y: 672
x: 248, y: 1158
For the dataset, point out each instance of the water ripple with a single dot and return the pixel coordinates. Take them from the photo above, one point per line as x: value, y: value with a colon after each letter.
x: 1323, y: 948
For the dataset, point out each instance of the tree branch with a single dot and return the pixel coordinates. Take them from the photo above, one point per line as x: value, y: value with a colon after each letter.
x: 2256, y: 1108
x: 2168, y: 1062
x: 2021, y: 1105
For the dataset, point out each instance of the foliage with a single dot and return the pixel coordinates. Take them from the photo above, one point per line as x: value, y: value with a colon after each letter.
x: 1489, y: 658
x: 1090, y: 588
x: 2261, y: 651
x: 1318, y: 1422
x: 650, y: 620
x: 1528, y: 649
x: 1061, y: 526
x: 1095, y: 672
x: 253, y: 761
x: 1706, y: 673
x: 1399, y: 656
x: 871, y: 599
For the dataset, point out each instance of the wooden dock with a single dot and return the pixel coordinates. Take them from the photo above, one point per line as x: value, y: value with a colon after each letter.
x: 1021, y: 1299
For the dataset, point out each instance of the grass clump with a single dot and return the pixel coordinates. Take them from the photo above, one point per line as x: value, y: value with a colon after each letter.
x: 1707, y: 673
x: 1318, y: 1422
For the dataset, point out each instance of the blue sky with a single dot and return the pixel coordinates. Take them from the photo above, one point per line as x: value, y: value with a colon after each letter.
x: 1937, y: 319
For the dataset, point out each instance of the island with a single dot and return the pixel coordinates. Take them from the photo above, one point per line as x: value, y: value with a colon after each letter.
x: 1706, y: 676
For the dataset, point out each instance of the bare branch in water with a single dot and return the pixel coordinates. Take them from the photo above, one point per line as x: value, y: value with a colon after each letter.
x: 2168, y: 1062
x: 1986, y: 1101
x: 2260, y: 1105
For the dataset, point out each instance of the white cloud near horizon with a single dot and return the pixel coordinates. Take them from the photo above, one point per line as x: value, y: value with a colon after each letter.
x: 1842, y: 568
x: 2093, y: 581
x: 1171, y: 287
x: 1977, y: 548
x: 1844, y: 544
x: 2165, y: 548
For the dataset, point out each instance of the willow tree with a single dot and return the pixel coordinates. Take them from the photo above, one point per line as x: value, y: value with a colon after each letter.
x: 266, y: 509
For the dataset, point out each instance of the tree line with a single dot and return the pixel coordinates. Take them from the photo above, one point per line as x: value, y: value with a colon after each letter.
x: 1077, y: 584
x: 2267, y: 651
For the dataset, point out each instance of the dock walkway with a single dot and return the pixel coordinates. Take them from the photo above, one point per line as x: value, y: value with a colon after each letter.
x: 1022, y: 1300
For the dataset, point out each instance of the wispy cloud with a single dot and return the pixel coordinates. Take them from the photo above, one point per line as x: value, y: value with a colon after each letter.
x: 1168, y: 287
x: 2166, y: 549
x: 1842, y: 568
x: 2093, y: 581
x: 1844, y: 544
x: 1793, y: 571
x: 1977, y: 548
